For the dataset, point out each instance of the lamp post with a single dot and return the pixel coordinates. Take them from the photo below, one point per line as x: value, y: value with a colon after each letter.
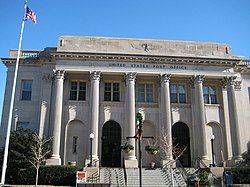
x: 91, y: 137
x: 212, y: 146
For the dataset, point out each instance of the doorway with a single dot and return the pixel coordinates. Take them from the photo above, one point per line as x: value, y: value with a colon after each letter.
x: 181, y: 138
x: 111, y: 142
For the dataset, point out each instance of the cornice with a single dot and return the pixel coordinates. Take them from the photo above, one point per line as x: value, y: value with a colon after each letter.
x: 146, y: 58
x: 26, y: 61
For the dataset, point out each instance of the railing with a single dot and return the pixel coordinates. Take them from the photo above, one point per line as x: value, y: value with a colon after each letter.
x: 182, y: 170
x: 199, y: 161
x: 205, y: 168
x: 124, y: 171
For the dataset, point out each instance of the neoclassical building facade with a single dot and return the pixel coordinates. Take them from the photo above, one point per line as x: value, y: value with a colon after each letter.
x: 189, y: 91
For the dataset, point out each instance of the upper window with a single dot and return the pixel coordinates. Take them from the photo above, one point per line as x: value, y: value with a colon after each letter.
x: 145, y: 93
x: 111, y: 91
x: 209, y: 95
x: 177, y: 93
x: 78, y: 90
x: 26, y: 90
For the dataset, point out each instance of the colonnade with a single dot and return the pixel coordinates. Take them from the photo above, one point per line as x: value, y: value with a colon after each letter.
x: 165, y: 119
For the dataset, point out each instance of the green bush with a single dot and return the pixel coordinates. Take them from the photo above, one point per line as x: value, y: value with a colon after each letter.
x: 241, y: 175
x: 48, y: 175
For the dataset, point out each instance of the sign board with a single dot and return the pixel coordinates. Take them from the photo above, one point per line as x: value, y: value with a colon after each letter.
x: 81, y: 177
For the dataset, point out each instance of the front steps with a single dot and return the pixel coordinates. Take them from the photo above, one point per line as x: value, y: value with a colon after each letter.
x: 150, y: 177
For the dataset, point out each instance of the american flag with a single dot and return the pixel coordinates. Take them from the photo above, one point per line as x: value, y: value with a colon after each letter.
x: 30, y: 14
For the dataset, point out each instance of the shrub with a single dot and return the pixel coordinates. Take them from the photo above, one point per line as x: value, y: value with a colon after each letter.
x: 48, y: 175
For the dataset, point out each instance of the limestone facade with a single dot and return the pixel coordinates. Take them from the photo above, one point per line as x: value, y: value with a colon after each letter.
x: 189, y: 90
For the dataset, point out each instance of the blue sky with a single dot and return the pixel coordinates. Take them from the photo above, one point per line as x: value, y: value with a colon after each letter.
x: 222, y: 21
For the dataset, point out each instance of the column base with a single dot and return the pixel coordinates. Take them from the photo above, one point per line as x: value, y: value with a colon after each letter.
x: 53, y: 161
x: 131, y: 163
x: 235, y: 161
x: 95, y: 162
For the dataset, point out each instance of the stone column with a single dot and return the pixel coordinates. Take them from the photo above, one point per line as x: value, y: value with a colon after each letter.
x: 234, y: 119
x: 199, y: 118
x: 94, y: 113
x: 131, y: 160
x: 57, y: 123
x: 166, y: 116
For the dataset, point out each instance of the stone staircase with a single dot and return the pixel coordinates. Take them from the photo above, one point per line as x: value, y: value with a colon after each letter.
x: 150, y: 177
x: 113, y: 176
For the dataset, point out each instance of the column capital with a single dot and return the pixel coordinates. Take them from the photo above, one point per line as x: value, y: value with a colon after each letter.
x: 131, y: 76
x: 230, y: 80
x: 95, y: 75
x: 165, y: 78
x: 59, y: 74
x: 198, y: 79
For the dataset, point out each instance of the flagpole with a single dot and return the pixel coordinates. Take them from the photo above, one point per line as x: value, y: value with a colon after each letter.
x: 6, y: 148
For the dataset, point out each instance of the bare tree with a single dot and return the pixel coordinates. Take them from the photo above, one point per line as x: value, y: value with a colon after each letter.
x: 40, y: 151
x: 170, y: 151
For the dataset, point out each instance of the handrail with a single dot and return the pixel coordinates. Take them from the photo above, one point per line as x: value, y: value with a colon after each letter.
x: 205, y: 166
x: 124, y: 171
x: 200, y: 162
x: 182, y: 170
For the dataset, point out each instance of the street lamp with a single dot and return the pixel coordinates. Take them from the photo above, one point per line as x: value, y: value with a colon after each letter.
x: 212, y: 146
x: 91, y: 137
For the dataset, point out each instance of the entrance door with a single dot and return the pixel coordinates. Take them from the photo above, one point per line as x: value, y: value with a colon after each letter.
x: 181, y: 138
x: 111, y: 141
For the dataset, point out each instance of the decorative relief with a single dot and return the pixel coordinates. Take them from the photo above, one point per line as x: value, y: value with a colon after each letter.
x: 237, y: 85
x: 197, y: 79
x: 95, y: 75
x: 107, y: 108
x: 231, y: 81
x: 130, y: 76
x: 145, y: 46
x: 44, y: 104
x: 223, y: 83
x: 59, y: 74
x: 165, y: 78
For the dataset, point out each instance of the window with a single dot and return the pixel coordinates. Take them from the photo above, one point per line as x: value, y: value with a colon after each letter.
x: 177, y: 93
x: 24, y: 125
x: 145, y: 93
x: 111, y: 92
x: 74, y: 150
x: 78, y: 90
x: 209, y: 95
x: 26, y: 90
